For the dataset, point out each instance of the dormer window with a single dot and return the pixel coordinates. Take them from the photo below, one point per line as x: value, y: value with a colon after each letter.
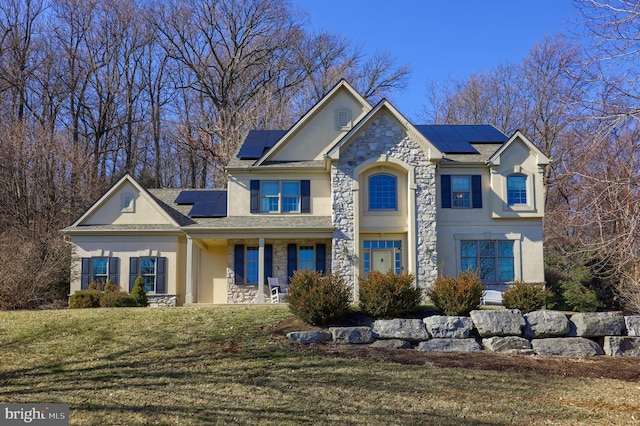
x: 343, y: 119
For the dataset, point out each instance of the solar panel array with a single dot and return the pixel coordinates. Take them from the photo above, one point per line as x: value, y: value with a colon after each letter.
x: 206, y: 203
x: 457, y: 138
x: 258, y: 142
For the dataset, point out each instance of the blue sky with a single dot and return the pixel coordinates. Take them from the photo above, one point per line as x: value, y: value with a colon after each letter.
x: 442, y: 39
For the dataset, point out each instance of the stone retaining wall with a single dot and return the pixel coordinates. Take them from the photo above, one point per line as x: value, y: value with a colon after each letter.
x: 546, y: 333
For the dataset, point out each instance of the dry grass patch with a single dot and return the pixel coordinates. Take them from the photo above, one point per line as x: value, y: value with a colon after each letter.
x: 194, y: 366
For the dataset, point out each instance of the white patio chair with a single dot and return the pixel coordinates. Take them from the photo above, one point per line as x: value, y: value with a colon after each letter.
x: 275, y: 289
x: 492, y: 297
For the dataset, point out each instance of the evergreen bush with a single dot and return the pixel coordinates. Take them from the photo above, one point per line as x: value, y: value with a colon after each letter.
x: 526, y: 297
x: 138, y: 293
x: 457, y: 296
x: 317, y: 299
x: 85, y: 299
x: 388, y: 295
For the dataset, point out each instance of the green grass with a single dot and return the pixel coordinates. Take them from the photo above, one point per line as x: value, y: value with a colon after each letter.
x: 194, y: 366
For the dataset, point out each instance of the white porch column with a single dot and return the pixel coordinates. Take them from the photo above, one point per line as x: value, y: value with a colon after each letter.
x: 190, y: 296
x: 261, y: 270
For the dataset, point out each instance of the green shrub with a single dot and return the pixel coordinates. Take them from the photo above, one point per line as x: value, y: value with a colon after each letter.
x: 457, y: 296
x: 388, y: 295
x: 110, y: 287
x: 138, y: 293
x: 117, y: 299
x: 95, y: 286
x: 85, y: 299
x: 526, y: 297
x: 579, y: 298
x: 317, y: 299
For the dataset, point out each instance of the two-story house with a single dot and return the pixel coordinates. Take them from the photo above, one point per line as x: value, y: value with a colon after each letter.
x: 350, y: 188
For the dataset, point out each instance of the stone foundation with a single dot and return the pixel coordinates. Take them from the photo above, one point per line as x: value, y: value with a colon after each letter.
x: 162, y: 300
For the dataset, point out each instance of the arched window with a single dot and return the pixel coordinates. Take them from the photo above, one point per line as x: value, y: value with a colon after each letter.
x: 383, y: 192
x: 516, y: 189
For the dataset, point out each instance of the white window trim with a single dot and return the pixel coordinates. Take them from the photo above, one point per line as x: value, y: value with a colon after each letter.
x: 517, y: 248
x: 339, y: 114
x: 128, y: 203
x: 281, y: 197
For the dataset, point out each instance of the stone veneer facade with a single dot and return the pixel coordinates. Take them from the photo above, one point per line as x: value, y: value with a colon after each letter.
x: 383, y: 136
x: 249, y: 293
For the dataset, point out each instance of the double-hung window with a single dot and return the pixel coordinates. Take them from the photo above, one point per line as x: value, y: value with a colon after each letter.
x: 383, y: 192
x: 516, y: 190
x: 306, y: 258
x: 148, y: 273
x: 270, y: 195
x: 152, y: 269
x: 99, y: 270
x: 461, y: 192
x: 492, y: 259
x: 251, y: 264
x: 246, y: 264
x: 280, y: 196
x: 291, y: 196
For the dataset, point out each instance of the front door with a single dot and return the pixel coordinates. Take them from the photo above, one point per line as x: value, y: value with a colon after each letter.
x: 382, y: 260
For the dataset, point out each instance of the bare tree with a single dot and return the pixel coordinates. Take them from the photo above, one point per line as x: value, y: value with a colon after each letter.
x: 235, y: 50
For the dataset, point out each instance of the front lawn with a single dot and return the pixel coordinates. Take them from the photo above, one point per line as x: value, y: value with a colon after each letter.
x: 223, y: 365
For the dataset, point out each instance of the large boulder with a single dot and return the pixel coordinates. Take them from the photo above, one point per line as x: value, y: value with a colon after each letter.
x: 406, y: 329
x: 357, y: 335
x: 308, y: 337
x: 440, y: 326
x: 596, y: 324
x: 541, y: 324
x: 632, y: 324
x: 622, y: 346
x: 391, y: 344
x: 506, y: 344
x: 566, y: 346
x: 450, y: 345
x: 506, y: 322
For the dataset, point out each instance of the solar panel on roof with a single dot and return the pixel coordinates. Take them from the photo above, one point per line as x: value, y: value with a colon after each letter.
x: 457, y: 138
x: 187, y: 197
x: 257, y: 142
x: 210, y: 204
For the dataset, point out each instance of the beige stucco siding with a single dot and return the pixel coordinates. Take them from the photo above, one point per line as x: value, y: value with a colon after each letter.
x: 212, y: 280
x: 517, y: 159
x: 526, y: 234
x: 314, y: 137
x: 239, y: 203
x: 114, y: 211
x: 124, y: 247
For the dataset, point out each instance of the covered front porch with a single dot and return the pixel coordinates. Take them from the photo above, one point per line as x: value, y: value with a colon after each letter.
x: 233, y: 267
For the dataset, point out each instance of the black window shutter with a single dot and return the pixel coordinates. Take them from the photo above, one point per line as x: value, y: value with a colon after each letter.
x: 238, y: 263
x: 476, y: 192
x: 268, y: 261
x: 113, y: 270
x: 85, y: 273
x: 305, y: 196
x: 292, y: 260
x: 321, y: 257
x: 161, y: 275
x: 255, y: 196
x: 134, y: 271
x: 445, y: 189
